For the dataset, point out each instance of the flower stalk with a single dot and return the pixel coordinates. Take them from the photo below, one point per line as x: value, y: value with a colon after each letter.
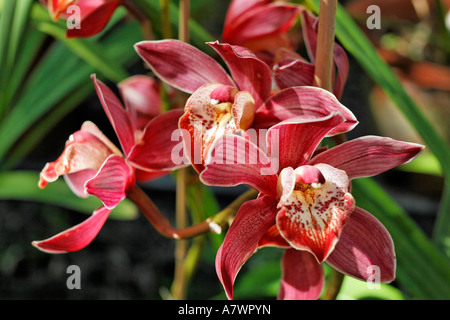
x: 179, y: 285
x: 323, y: 78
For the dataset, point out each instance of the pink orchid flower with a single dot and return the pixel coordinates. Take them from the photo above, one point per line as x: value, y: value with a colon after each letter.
x: 305, y: 206
x: 92, y: 165
x: 94, y: 14
x: 221, y: 104
x: 260, y: 26
x: 293, y: 70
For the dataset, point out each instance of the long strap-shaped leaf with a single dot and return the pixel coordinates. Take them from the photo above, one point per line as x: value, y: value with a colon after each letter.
x: 58, y: 75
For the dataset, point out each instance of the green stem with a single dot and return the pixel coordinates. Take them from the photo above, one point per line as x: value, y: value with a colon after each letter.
x: 181, y: 280
x: 323, y: 78
x: 165, y: 19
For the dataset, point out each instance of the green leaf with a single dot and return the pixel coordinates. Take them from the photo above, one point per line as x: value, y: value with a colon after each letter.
x: 23, y: 185
x: 202, y: 204
x: 6, y: 21
x: 441, y: 235
x: 422, y: 270
x: 354, y: 289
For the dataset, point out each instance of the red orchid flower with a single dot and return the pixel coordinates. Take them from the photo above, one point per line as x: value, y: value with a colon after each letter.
x: 293, y: 70
x: 94, y: 14
x: 260, y: 25
x: 221, y: 104
x: 304, y: 205
x: 92, y: 165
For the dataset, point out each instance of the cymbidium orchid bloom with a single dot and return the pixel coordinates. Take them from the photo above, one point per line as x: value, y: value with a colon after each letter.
x: 92, y: 165
x: 305, y: 207
x: 291, y: 69
x: 223, y: 104
x: 94, y: 14
x: 260, y: 26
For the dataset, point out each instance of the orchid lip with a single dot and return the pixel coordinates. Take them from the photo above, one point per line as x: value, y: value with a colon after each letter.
x: 314, y: 206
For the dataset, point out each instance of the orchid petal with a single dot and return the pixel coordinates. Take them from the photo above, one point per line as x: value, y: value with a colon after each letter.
x: 111, y: 182
x: 306, y: 102
x: 342, y: 68
x: 364, y: 247
x: 77, y: 237
x: 77, y: 180
x: 239, y: 7
x: 95, y: 15
x: 235, y: 160
x: 312, y: 216
x: 144, y: 176
x: 294, y: 73
x: 116, y: 114
x: 250, y: 73
x: 141, y: 95
x: 181, y: 65
x: 368, y: 156
x: 294, y: 141
x: 154, y: 150
x: 264, y: 20
x: 252, y: 220
x: 302, y: 277
x: 309, y: 29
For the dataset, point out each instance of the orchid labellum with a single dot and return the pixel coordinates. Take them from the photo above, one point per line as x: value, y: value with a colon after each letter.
x: 223, y: 104
x: 305, y: 206
x: 92, y: 165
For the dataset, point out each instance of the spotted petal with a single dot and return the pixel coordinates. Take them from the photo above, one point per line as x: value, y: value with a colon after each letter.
x: 210, y: 112
x: 312, y: 216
